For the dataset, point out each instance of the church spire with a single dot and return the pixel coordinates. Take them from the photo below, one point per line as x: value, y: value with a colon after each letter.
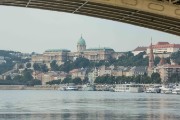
x: 151, y: 57
x: 151, y: 60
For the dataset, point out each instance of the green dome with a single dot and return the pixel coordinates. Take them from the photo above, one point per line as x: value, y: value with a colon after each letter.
x: 81, y: 41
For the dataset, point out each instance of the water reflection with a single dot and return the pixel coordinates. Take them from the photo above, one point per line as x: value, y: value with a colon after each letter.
x: 55, y: 105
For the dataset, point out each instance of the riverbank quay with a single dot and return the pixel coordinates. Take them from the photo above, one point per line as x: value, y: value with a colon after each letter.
x: 98, y: 87
x: 24, y: 87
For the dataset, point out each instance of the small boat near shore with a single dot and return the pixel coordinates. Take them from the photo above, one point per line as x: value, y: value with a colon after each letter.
x: 69, y: 87
x: 166, y: 89
x: 88, y: 87
x: 154, y: 89
x: 176, y: 90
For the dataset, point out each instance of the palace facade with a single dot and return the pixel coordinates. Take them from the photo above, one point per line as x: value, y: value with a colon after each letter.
x: 62, y: 55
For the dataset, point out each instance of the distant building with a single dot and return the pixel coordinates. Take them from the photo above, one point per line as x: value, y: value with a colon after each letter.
x: 2, y: 60
x: 166, y: 71
x: 49, y: 76
x: 103, y: 70
x: 81, y: 73
x: 140, y: 70
x: 97, y: 54
x: 164, y: 49
x: 62, y: 55
x: 139, y: 50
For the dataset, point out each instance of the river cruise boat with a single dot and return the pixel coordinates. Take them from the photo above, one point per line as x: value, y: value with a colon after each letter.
x: 136, y: 88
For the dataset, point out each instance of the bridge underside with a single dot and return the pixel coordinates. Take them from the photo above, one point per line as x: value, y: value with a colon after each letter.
x: 97, y: 9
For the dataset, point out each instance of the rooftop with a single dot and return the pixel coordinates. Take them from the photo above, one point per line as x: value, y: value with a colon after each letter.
x: 140, y: 49
x: 81, y: 41
x: 57, y: 50
x: 96, y: 49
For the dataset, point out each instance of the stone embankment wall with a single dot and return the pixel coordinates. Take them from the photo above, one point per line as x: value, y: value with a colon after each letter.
x: 24, y: 87
x: 12, y: 87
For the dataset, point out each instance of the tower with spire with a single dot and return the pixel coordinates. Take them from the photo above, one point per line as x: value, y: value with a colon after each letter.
x: 151, y: 60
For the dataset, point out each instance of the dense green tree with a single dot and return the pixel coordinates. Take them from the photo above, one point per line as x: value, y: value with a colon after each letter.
x: 67, y: 80
x: 155, y: 78
x: 176, y: 57
x: 67, y: 66
x: 8, y: 77
x: 44, y: 68
x: 128, y: 59
x: 36, y: 67
x: 27, y: 75
x: 81, y: 63
x: 86, y: 80
x: 54, y: 66
x: 174, y: 78
x: 157, y: 60
x: 77, y: 81
x: 53, y: 82
x: 28, y: 65
x: 40, y: 67
x: 20, y: 66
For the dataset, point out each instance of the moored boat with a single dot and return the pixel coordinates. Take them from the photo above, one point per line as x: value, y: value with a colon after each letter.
x: 154, y: 89
x: 135, y: 88
x: 166, y: 89
x: 88, y: 87
x: 69, y: 87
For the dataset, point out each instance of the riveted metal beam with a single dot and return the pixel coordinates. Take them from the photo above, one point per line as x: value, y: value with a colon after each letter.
x: 162, y: 15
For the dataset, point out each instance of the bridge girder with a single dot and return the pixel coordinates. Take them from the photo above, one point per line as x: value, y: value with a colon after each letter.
x: 162, y: 15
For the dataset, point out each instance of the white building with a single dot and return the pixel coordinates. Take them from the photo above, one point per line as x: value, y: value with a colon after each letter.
x: 2, y: 60
x: 164, y: 49
x: 139, y: 50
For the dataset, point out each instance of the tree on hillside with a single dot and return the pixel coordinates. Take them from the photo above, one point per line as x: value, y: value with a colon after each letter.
x: 36, y: 67
x: 77, y: 81
x: 53, y: 82
x: 176, y: 57
x: 8, y: 77
x: 81, y: 62
x: 54, y: 66
x: 175, y: 78
x: 67, y: 80
x: 27, y: 75
x: 155, y: 78
x: 28, y: 65
x: 44, y: 68
x: 40, y: 67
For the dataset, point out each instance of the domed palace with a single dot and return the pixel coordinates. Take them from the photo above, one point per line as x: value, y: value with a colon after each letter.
x: 81, y: 45
x: 62, y: 55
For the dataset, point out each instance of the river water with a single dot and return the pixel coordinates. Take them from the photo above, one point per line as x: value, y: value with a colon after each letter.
x: 86, y: 105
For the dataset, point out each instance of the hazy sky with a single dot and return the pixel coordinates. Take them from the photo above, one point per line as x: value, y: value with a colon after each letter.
x: 28, y: 30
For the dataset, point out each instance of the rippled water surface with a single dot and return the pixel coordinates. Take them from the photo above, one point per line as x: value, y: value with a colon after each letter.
x: 83, y: 105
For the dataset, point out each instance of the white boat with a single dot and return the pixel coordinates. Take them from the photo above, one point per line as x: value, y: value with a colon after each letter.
x: 154, y: 89
x: 136, y: 88
x: 88, y: 88
x: 70, y: 87
x: 166, y: 89
x: 176, y: 90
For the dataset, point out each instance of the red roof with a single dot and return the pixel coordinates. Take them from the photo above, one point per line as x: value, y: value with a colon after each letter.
x: 165, y: 45
x: 162, y: 43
